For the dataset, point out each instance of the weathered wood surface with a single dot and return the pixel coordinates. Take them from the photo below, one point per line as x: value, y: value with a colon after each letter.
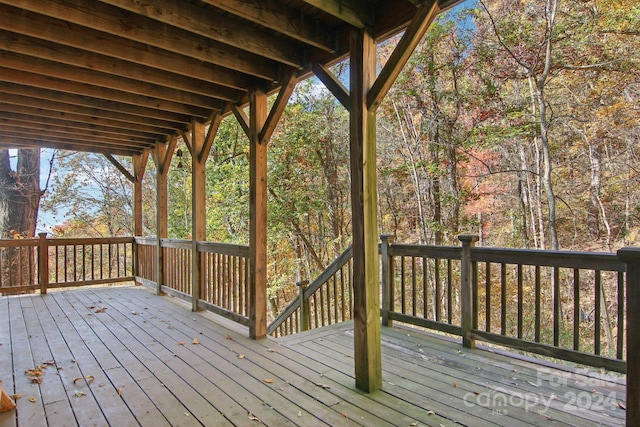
x: 137, y: 372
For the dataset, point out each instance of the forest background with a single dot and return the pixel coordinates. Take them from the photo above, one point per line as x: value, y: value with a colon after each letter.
x: 515, y: 120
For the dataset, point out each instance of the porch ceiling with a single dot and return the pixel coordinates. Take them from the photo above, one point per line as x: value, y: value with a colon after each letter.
x: 119, y: 76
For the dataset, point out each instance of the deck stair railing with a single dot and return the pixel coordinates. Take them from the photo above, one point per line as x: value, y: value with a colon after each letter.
x: 326, y: 300
x: 561, y: 304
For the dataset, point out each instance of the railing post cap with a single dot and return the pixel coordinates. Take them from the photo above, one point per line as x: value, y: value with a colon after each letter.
x: 387, y: 237
x: 302, y: 283
x: 468, y: 238
x: 630, y: 254
x: 43, y: 234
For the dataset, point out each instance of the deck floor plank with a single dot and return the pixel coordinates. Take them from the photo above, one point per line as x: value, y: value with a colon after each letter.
x: 147, y: 372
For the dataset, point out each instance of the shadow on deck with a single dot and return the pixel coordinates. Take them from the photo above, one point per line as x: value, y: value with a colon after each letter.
x: 121, y: 356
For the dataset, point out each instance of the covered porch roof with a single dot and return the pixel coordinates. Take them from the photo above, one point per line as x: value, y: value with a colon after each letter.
x: 121, y: 76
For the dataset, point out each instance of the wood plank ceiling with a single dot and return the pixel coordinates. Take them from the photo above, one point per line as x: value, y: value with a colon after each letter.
x: 119, y: 76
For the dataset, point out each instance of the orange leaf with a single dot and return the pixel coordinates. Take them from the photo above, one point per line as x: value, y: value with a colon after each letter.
x: 268, y: 380
x: 195, y: 341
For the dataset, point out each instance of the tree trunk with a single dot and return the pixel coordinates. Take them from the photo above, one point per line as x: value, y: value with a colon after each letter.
x: 19, y: 203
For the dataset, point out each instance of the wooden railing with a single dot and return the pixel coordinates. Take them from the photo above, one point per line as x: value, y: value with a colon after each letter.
x: 566, y: 305
x: 39, y: 264
x: 327, y: 300
x: 224, y: 278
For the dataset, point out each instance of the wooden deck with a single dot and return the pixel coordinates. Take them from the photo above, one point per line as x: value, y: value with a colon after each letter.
x: 121, y: 356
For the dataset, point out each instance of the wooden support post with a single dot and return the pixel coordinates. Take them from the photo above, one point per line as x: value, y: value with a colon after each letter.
x: 364, y: 206
x: 43, y: 263
x: 466, y: 289
x: 162, y: 158
x: 258, y: 216
x: 139, y: 166
x: 198, y: 208
x: 387, y: 280
x: 631, y: 256
x: 304, y: 305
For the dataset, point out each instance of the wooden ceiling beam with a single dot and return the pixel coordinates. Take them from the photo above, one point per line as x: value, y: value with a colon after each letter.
x: 47, y: 141
x: 117, y: 22
x: 52, y: 110
x: 354, y: 12
x: 40, y: 129
x: 102, y: 93
x: 208, y: 23
x: 110, y: 66
x: 93, y: 78
x: 86, y: 106
x: 43, y: 28
x: 271, y: 14
x: 36, y: 120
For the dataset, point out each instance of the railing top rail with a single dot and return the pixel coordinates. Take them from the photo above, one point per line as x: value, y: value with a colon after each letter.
x: 224, y: 248
x: 545, y: 258
x: 17, y: 243
x: 440, y: 252
x: 146, y: 240
x: 88, y: 241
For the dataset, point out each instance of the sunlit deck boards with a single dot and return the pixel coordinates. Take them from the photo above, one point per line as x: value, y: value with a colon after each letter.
x: 139, y: 373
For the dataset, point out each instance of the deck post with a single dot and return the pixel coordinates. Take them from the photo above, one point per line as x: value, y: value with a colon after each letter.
x: 257, y: 216
x: 631, y: 256
x: 304, y: 305
x: 198, y: 207
x: 364, y: 207
x: 43, y: 263
x: 162, y: 158
x: 139, y: 165
x: 466, y: 289
x: 387, y: 279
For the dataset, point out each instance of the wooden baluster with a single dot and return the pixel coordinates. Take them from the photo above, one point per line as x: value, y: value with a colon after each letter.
x: 466, y: 289
x: 43, y: 263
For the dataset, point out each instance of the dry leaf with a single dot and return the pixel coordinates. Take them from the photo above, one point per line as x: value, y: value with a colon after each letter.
x: 324, y: 386
x: 455, y: 385
x: 195, y: 341
x: 33, y: 372
x: 88, y: 379
x: 101, y: 310
x: 36, y: 380
x: 430, y: 413
x: 120, y: 391
x: 49, y: 362
x: 415, y: 423
x: 17, y: 396
x: 621, y: 406
x: 344, y: 414
x: 181, y: 343
x: 229, y: 337
x: 252, y: 418
x: 271, y: 350
x: 269, y: 380
x: 241, y: 356
x: 32, y: 399
x: 80, y: 394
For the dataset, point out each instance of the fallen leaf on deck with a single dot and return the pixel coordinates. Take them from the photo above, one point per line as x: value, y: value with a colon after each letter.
x: 36, y: 380
x: 271, y: 350
x: 299, y: 413
x: 455, y: 385
x: 324, y: 386
x: 621, y: 406
x: 241, y: 356
x: 268, y: 380
x: 430, y: 413
x: 134, y: 313
x: 80, y: 394
x: 181, y: 343
x: 120, y: 391
x: 32, y: 399
x: 91, y: 307
x: 195, y: 341
x: 229, y: 337
x: 49, y: 362
x: 88, y: 379
x: 16, y: 396
x: 33, y: 372
x: 415, y: 423
x: 344, y: 414
x: 101, y: 310
x: 252, y: 418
